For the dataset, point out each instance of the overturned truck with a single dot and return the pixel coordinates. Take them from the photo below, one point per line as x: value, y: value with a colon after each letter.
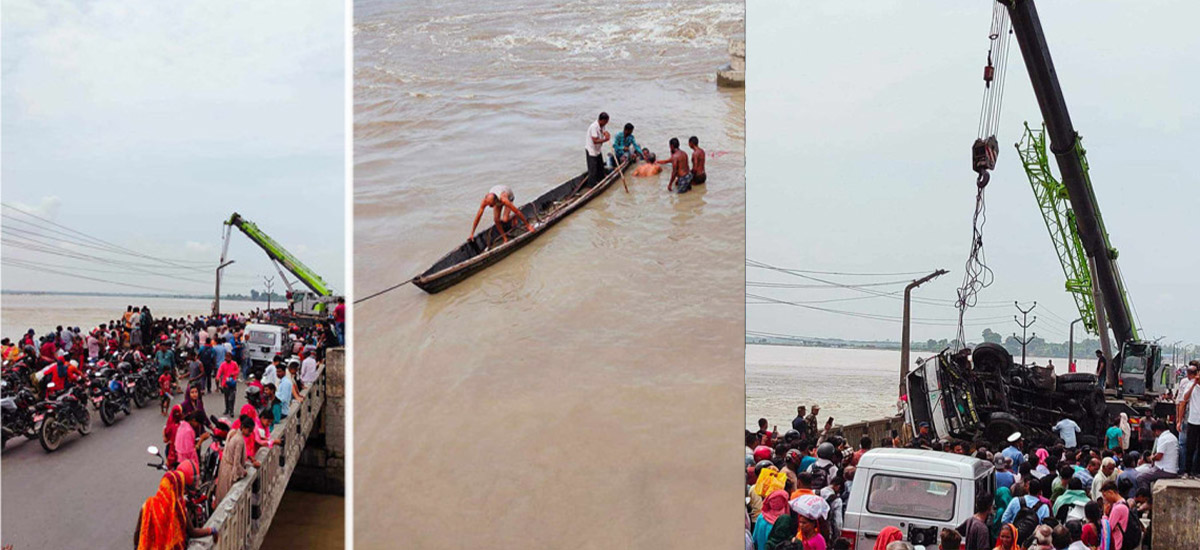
x: 982, y: 394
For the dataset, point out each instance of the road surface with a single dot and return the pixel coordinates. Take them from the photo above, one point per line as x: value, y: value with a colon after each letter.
x: 87, y: 494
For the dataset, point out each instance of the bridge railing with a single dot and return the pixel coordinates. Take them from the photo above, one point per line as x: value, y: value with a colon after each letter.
x: 244, y: 516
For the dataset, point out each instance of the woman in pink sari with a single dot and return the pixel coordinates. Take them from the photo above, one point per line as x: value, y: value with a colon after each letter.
x: 173, y: 420
x: 258, y: 437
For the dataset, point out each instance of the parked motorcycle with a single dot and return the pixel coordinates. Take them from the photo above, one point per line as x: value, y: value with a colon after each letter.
x: 106, y: 387
x: 198, y: 498
x: 61, y: 415
x: 17, y: 411
x: 140, y: 388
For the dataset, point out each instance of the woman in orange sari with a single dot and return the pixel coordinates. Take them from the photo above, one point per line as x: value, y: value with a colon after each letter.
x: 163, y: 520
x: 1008, y: 538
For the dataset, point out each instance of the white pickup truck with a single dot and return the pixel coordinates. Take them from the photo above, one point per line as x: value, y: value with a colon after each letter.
x: 916, y: 490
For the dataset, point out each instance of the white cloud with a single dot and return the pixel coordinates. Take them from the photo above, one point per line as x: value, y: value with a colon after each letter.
x: 47, y: 208
x: 151, y: 76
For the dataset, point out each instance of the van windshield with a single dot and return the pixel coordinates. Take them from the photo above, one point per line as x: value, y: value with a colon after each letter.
x: 262, y: 338
x: 911, y: 497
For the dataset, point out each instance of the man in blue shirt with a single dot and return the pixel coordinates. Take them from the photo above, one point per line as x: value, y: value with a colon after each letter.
x: 1013, y: 451
x: 219, y: 350
x: 624, y: 144
x: 1067, y: 429
x: 1030, y: 500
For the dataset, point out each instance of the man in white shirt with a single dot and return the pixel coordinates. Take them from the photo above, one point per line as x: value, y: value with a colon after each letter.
x: 1188, y: 412
x: 308, y: 370
x: 597, y: 136
x: 1165, y: 458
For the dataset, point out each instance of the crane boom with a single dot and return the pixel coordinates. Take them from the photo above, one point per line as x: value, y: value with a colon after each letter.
x: 1064, y: 144
x: 279, y: 255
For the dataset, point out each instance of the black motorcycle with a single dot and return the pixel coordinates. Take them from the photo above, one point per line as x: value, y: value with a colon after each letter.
x: 139, y: 387
x: 62, y: 414
x: 106, y: 388
x: 17, y: 411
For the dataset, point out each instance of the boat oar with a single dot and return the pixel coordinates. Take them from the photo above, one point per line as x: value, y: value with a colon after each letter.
x: 621, y: 171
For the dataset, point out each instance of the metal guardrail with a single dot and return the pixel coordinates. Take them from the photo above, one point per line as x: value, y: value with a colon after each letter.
x: 243, y: 518
x: 878, y: 430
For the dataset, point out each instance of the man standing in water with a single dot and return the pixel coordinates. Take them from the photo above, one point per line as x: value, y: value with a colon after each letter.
x: 596, y: 137
x: 699, y: 176
x: 681, y: 176
x: 650, y: 168
x: 500, y: 198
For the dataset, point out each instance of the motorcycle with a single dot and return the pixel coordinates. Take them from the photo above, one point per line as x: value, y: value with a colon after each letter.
x: 19, y: 373
x: 199, y: 498
x: 107, y: 391
x: 138, y: 386
x: 17, y: 411
x: 62, y: 414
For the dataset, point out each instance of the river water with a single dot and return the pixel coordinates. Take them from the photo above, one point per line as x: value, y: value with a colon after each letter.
x: 582, y: 392
x: 851, y: 385
x: 44, y: 312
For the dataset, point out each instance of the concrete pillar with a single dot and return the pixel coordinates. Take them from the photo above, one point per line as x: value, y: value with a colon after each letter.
x: 1176, y: 522
x: 733, y: 74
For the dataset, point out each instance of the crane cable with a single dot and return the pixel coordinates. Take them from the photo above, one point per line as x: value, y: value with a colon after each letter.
x: 976, y: 274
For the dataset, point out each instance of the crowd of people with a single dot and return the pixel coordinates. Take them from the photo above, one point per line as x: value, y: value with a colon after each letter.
x: 198, y: 354
x: 219, y: 365
x: 1062, y: 495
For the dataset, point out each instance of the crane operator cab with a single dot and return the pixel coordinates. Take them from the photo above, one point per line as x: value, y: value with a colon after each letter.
x: 1139, y: 363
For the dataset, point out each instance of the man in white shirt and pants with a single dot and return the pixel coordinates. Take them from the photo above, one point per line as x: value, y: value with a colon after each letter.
x: 596, y: 137
x: 1188, y: 412
x: 1165, y: 459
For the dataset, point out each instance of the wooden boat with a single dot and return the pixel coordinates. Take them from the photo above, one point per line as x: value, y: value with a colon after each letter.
x: 488, y: 246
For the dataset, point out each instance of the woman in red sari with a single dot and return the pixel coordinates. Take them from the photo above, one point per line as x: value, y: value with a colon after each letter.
x: 163, y: 522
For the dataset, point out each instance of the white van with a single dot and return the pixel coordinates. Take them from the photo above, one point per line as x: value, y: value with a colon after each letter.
x: 919, y: 491
x: 263, y: 343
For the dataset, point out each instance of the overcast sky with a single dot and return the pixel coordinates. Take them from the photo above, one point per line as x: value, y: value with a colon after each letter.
x: 148, y: 123
x: 860, y: 117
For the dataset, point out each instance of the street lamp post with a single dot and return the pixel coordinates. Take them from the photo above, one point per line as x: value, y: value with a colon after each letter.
x: 1071, y: 347
x: 904, y: 332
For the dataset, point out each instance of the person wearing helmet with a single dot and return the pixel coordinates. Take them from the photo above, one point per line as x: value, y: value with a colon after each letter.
x: 824, y: 470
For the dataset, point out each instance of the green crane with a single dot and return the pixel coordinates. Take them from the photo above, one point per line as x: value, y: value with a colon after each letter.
x: 1072, y: 214
x: 301, y: 301
x: 1055, y: 204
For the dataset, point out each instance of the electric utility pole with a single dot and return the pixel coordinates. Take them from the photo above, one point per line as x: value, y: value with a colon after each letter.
x: 1024, y: 322
x: 269, y: 281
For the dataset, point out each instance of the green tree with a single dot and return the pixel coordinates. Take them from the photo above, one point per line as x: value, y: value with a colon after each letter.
x: 991, y: 336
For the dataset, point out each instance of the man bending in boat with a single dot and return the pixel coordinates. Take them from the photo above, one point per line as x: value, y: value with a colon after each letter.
x: 624, y: 145
x: 698, y: 174
x: 650, y: 168
x: 500, y: 198
x: 681, y: 176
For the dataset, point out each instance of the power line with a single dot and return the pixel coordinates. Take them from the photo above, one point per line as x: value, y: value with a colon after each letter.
x: 112, y: 246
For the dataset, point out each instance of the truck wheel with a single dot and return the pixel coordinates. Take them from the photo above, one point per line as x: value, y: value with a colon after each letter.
x: 1000, y: 425
x: 991, y: 357
x: 1089, y: 440
x: 1077, y: 381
